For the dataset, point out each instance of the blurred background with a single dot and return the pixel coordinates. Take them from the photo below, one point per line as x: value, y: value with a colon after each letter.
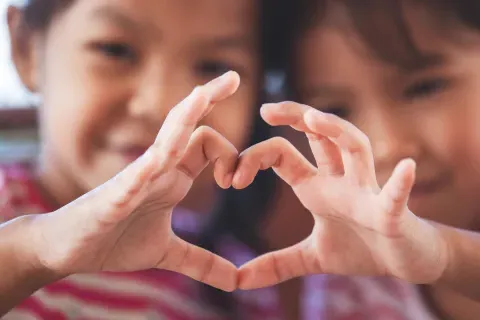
x: 18, y: 136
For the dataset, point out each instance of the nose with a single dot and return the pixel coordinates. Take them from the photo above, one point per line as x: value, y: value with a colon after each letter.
x: 157, y: 89
x: 392, y: 139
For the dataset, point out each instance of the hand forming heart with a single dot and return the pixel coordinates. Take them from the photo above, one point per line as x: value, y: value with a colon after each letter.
x: 125, y: 224
x: 359, y: 228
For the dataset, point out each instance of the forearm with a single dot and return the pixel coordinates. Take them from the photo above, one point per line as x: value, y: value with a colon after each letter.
x: 463, y: 270
x: 21, y: 274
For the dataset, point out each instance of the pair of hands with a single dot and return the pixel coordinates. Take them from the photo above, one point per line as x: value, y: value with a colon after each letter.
x: 360, y: 229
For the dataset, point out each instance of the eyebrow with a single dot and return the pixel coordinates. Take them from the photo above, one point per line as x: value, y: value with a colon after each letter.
x: 234, y: 40
x: 113, y: 14
x: 424, y: 63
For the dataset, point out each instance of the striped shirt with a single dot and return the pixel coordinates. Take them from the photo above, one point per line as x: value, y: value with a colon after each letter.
x: 159, y: 294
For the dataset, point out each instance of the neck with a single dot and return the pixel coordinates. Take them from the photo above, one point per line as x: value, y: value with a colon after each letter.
x: 451, y: 305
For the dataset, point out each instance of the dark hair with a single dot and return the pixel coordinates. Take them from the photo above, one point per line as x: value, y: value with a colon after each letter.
x: 381, y: 25
x: 39, y: 13
x: 238, y: 213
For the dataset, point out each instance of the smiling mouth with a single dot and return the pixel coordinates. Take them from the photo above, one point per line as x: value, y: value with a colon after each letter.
x: 425, y: 188
x: 130, y: 154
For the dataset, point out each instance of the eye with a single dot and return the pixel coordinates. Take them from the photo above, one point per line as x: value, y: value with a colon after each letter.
x: 339, y: 110
x: 425, y: 88
x: 112, y: 50
x: 212, y: 69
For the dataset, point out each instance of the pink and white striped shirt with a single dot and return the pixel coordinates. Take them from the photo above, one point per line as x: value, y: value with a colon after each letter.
x: 158, y: 294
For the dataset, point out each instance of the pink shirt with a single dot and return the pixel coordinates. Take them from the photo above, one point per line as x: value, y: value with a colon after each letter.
x: 158, y: 294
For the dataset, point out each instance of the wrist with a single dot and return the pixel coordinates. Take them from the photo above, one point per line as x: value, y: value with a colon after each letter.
x: 26, y: 250
x: 446, y: 237
x: 428, y: 251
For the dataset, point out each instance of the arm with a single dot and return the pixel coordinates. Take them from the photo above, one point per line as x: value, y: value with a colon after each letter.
x: 103, y: 229
x: 373, y: 233
x: 21, y: 274
x: 463, y: 269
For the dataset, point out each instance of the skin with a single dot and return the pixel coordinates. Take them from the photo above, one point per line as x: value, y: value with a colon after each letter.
x: 375, y: 227
x: 117, y: 217
x: 382, y: 236
x: 103, y: 229
x: 426, y: 114
x: 106, y: 106
x: 120, y: 70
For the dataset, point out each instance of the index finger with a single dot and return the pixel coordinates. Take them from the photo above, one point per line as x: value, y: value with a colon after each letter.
x: 287, y: 113
x: 182, y: 120
x: 327, y: 155
x: 277, y: 153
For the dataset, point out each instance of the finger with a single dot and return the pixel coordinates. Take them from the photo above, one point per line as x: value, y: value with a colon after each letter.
x: 396, y: 191
x: 182, y: 120
x: 326, y: 153
x: 356, y: 149
x: 277, y: 153
x: 279, y: 266
x: 199, y: 264
x: 285, y: 114
x: 205, y: 146
x: 327, y: 156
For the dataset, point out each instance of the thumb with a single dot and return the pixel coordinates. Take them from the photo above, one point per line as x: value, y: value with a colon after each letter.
x: 396, y: 191
x: 199, y: 264
x: 279, y: 266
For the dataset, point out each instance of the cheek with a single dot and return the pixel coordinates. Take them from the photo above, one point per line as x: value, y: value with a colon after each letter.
x: 467, y: 148
x: 472, y: 136
x: 466, y: 104
x: 455, y: 141
x: 77, y: 108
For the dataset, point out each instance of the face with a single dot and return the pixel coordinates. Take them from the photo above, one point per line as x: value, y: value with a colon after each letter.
x: 109, y: 71
x: 429, y: 113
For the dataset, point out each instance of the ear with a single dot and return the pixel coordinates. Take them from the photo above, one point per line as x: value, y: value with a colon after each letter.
x: 23, y: 49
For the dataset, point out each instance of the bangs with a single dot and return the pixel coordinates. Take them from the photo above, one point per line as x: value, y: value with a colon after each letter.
x: 383, y: 27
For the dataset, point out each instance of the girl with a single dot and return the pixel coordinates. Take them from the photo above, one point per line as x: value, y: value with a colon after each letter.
x: 85, y: 236
x: 407, y: 74
x: 108, y: 73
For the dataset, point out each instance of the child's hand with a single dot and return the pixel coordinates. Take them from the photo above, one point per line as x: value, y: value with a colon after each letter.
x: 359, y: 229
x: 125, y: 224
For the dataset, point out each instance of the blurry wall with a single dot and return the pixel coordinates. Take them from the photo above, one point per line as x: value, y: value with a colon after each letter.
x: 12, y: 93
x: 18, y: 134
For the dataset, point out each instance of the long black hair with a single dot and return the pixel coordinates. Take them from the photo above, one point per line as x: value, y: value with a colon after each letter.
x: 240, y: 213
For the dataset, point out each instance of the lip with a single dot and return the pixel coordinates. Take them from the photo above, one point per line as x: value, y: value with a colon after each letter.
x: 428, y: 187
x: 130, y: 153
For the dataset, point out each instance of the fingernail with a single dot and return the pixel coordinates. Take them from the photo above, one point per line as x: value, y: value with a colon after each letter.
x: 221, y: 79
x: 265, y: 107
x: 228, y: 180
x: 313, y: 116
x: 315, y: 112
x: 236, y: 179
